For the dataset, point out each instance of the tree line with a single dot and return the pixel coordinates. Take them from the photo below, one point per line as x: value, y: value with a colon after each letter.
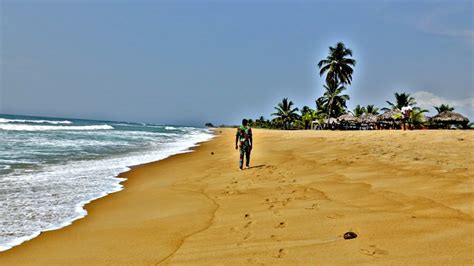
x: 338, y: 68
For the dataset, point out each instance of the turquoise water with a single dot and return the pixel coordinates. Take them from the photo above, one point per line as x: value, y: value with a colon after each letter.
x: 51, y: 167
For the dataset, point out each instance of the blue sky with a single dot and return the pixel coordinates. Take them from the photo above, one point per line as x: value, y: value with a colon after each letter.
x: 190, y: 62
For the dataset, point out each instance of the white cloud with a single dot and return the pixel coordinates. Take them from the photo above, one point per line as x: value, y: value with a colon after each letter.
x: 427, y: 100
x: 431, y: 23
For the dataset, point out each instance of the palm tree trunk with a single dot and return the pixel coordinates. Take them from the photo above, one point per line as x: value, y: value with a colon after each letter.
x: 329, y: 111
x: 330, y: 105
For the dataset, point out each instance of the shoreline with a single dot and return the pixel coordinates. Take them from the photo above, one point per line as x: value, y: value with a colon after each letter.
x: 407, y: 203
x: 81, y: 208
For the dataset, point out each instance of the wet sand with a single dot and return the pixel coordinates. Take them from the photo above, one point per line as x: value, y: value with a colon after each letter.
x: 408, y: 196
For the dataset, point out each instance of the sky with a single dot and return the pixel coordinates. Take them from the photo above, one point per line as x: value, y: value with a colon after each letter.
x: 192, y: 62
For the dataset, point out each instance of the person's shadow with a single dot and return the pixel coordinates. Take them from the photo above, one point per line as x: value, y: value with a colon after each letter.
x: 257, y: 166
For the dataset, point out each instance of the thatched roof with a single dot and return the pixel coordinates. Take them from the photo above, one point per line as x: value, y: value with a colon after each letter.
x: 449, y: 117
x: 347, y: 118
x: 389, y: 115
x: 368, y: 118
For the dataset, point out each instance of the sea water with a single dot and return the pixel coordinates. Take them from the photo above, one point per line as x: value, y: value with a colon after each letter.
x: 50, y: 168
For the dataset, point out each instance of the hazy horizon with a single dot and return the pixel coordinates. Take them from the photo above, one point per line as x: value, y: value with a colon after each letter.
x: 189, y: 63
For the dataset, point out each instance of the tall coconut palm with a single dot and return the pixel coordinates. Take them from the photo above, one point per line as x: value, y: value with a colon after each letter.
x: 338, y: 65
x: 443, y: 107
x: 285, y: 113
x: 333, y: 100
x: 401, y: 100
x: 371, y: 109
x: 359, y: 110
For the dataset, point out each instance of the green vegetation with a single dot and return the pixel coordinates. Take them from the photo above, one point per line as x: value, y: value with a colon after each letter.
x: 285, y: 114
x: 371, y: 109
x: 401, y: 99
x: 443, y: 107
x: 338, y: 66
x: 359, y: 110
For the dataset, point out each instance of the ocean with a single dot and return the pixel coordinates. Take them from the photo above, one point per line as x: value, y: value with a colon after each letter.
x: 51, y: 167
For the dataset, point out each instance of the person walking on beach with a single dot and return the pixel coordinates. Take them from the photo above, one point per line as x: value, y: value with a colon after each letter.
x: 406, y: 114
x: 244, y: 138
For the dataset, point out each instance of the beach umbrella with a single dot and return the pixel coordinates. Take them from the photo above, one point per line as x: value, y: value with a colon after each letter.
x: 449, y: 117
x: 348, y: 118
x: 390, y: 115
x: 368, y: 118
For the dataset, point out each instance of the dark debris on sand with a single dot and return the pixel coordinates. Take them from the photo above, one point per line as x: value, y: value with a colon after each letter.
x: 350, y: 235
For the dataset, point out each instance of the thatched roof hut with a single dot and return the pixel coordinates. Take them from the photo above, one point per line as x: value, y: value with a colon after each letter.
x: 347, y: 118
x: 368, y: 118
x: 332, y: 120
x: 389, y: 115
x: 449, y: 117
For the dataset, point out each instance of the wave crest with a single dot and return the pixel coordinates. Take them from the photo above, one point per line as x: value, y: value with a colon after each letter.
x: 54, y: 122
x: 51, y: 128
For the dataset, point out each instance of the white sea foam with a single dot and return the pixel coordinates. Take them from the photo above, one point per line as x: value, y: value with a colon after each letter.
x: 55, y: 122
x: 170, y: 128
x: 17, y: 127
x: 53, y: 198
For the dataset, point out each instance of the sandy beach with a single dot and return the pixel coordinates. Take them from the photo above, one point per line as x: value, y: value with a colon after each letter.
x: 407, y: 194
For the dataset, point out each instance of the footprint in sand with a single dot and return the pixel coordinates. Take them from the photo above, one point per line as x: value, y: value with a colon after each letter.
x: 271, y: 201
x: 304, y: 197
x: 373, y: 251
x: 315, y: 206
x: 281, y: 225
x: 248, y: 235
x: 249, y: 224
x: 235, y: 229
x: 282, y: 253
x: 254, y: 261
x: 335, y: 216
x: 275, y: 238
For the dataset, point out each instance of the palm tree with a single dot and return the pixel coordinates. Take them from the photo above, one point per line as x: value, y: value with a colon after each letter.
x: 359, y: 110
x: 371, y: 109
x: 443, y: 107
x: 401, y: 100
x: 285, y: 113
x: 417, y: 117
x: 338, y: 65
x: 333, y: 101
x: 308, y: 115
x: 305, y: 109
x: 321, y: 108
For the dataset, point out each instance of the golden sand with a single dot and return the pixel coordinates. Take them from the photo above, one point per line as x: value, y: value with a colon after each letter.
x: 407, y: 195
